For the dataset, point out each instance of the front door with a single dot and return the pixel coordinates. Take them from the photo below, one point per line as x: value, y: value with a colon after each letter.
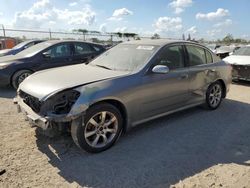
x: 165, y: 92
x: 56, y: 56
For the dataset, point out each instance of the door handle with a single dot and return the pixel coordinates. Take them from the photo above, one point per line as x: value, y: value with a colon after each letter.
x: 184, y: 76
x: 212, y: 70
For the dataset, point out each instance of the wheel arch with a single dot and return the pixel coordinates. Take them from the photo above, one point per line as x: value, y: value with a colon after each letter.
x: 120, y: 106
x: 224, y: 87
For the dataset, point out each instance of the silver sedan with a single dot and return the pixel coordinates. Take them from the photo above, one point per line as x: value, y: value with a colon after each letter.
x: 129, y: 84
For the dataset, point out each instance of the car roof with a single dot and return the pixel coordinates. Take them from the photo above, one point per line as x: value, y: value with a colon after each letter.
x: 52, y: 42
x: 158, y: 42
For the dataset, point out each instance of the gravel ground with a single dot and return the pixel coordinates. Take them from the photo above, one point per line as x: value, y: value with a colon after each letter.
x: 193, y: 148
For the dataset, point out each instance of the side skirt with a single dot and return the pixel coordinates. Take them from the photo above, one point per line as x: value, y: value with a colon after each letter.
x: 166, y: 113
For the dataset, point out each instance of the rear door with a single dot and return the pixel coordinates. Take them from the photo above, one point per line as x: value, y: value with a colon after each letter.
x: 202, y: 71
x: 165, y: 92
x: 56, y: 56
x: 83, y: 52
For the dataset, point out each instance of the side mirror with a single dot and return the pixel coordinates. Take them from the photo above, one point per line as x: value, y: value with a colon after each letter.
x: 46, y: 55
x: 160, y: 69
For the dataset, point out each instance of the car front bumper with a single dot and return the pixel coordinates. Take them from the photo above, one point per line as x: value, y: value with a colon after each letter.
x: 4, y: 79
x: 241, y: 72
x: 37, y: 120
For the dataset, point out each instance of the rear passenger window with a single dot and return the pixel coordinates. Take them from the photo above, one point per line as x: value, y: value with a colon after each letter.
x: 196, y: 55
x: 82, y: 49
x: 97, y: 48
x: 209, y: 57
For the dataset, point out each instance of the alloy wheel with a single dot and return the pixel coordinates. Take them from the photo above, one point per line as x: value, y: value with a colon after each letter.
x: 22, y: 77
x: 215, y: 95
x: 101, y: 129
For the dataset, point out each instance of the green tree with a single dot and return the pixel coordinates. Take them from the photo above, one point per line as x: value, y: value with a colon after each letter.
x: 228, y: 39
x: 156, y: 36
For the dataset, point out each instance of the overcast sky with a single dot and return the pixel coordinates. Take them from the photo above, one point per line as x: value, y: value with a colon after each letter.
x: 170, y: 18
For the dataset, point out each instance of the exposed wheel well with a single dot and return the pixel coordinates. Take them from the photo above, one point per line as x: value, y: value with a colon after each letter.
x: 120, y: 107
x: 223, y: 87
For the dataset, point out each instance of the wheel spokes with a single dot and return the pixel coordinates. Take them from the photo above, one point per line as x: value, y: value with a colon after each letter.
x: 101, y: 129
x: 105, y: 139
x: 93, y: 122
x: 91, y: 133
x: 103, y: 117
x: 110, y: 121
x: 94, y: 143
x: 215, y: 95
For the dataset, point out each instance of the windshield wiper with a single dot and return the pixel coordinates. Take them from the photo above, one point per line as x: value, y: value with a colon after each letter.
x: 102, y: 66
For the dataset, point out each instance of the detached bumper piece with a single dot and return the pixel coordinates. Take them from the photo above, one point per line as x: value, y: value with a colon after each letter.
x: 34, y: 119
x: 241, y: 72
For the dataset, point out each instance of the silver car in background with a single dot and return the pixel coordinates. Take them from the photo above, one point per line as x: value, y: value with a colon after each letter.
x: 132, y: 83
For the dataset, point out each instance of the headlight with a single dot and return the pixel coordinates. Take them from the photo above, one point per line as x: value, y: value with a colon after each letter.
x: 3, y: 65
x: 62, y: 102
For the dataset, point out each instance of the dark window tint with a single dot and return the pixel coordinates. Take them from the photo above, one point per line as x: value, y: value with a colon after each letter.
x: 62, y: 50
x: 29, y: 45
x: 172, y: 57
x: 209, y: 57
x: 98, y: 48
x: 82, y: 49
x: 196, y: 55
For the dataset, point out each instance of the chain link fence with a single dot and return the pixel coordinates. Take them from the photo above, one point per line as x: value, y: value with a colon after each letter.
x: 19, y: 35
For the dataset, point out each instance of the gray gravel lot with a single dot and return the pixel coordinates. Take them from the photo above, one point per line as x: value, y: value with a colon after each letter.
x: 193, y: 148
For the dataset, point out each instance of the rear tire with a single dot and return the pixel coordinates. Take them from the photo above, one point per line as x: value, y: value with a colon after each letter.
x: 101, y: 128
x: 19, y: 77
x: 214, y: 96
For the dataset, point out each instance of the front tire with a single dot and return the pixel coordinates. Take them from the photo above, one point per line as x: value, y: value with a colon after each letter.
x: 214, y: 95
x: 19, y: 77
x: 99, y: 129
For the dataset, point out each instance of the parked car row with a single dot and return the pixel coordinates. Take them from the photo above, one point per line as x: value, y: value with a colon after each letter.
x: 129, y: 84
x: 20, y: 47
x: 44, y: 55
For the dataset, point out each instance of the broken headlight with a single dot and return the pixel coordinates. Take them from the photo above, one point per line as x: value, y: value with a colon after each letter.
x: 63, y: 102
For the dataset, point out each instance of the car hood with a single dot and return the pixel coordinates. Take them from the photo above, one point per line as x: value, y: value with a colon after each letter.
x: 238, y: 60
x: 3, y: 52
x: 44, y: 83
x: 10, y: 58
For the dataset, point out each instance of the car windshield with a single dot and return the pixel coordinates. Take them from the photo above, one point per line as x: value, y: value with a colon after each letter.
x: 245, y: 51
x: 20, y: 45
x: 34, y: 49
x: 125, y: 57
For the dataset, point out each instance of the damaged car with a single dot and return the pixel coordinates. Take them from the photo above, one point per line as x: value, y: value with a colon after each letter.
x: 240, y: 61
x: 129, y: 84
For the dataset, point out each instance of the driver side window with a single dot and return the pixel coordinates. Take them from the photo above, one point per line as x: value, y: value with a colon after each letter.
x: 62, y: 50
x: 172, y: 57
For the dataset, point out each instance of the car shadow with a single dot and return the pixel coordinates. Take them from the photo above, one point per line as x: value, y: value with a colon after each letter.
x: 161, y: 152
x: 242, y: 82
x: 7, y: 92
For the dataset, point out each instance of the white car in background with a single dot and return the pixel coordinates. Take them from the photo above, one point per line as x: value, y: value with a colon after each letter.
x: 240, y: 61
x: 225, y: 51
